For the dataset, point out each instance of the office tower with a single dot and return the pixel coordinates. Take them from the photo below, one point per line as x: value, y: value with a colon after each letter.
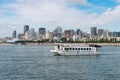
x: 48, y: 35
x: 42, y: 31
x: 32, y: 33
x: 27, y: 35
x: 100, y: 32
x: 26, y: 28
x: 79, y: 33
x: 107, y: 34
x: 116, y: 34
x: 58, y: 29
x: 14, y: 35
x: 93, y: 31
x: 69, y: 33
x: 57, y: 32
x: 20, y: 35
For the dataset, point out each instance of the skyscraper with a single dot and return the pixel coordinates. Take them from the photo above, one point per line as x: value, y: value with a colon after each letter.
x: 93, y: 31
x: 57, y: 32
x: 42, y: 31
x: 69, y: 33
x: 32, y: 33
x: 100, y: 32
x: 26, y: 28
x: 14, y: 35
x: 58, y: 29
x: 79, y: 33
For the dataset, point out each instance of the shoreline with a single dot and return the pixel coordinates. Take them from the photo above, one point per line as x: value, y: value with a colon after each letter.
x: 52, y: 44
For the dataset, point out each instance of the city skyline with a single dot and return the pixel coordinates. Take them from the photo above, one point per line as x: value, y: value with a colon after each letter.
x: 58, y: 32
x: 68, y: 14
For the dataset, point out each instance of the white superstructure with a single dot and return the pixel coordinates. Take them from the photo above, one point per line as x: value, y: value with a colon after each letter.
x: 63, y: 49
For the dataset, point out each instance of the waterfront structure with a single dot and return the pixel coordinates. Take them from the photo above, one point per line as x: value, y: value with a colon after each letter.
x: 14, y: 35
x: 26, y: 28
x: 69, y: 33
x: 62, y: 49
x: 93, y: 31
x: 100, y: 32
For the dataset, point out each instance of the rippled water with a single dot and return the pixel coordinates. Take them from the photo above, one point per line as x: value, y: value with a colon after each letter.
x: 20, y: 62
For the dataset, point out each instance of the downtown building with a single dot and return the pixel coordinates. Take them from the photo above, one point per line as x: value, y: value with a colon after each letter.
x: 93, y: 31
x: 100, y: 32
x: 14, y: 35
x: 79, y: 33
x: 32, y: 34
x: 69, y: 33
x: 26, y: 28
x: 41, y: 33
x: 57, y: 32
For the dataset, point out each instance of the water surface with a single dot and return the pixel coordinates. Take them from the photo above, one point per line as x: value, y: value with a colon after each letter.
x: 22, y: 62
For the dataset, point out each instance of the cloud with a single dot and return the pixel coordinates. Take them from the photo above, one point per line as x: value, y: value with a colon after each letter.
x: 47, y: 12
x: 82, y: 2
x: 109, y: 16
x: 52, y: 13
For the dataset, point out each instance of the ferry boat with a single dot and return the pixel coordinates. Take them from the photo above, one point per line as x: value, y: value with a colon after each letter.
x: 63, y: 49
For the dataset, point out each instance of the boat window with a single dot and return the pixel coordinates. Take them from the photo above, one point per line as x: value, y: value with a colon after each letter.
x: 58, y: 46
x: 81, y: 48
x: 70, y: 48
x: 84, y: 48
x: 75, y: 48
x: 65, y: 48
x: 89, y: 48
x: 78, y: 48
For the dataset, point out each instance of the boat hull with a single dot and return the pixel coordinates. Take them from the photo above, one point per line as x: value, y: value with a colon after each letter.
x: 75, y: 53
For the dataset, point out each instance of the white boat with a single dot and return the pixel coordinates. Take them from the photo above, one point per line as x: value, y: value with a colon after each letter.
x: 63, y: 49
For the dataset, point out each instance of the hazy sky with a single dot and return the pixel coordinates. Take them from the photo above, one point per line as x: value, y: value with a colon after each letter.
x: 69, y: 14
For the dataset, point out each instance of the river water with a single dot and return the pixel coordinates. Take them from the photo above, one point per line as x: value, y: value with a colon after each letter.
x: 22, y: 62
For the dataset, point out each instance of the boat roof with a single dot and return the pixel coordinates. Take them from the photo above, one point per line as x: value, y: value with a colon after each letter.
x: 82, y: 45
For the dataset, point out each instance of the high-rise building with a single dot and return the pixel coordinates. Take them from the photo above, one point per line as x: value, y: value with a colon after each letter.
x: 14, y: 35
x: 57, y: 32
x: 100, y: 32
x: 20, y: 35
x: 107, y: 34
x: 69, y: 33
x: 42, y: 31
x: 48, y: 35
x: 26, y: 28
x: 79, y: 33
x: 32, y: 33
x: 93, y: 31
x: 58, y: 29
x: 27, y: 35
x: 116, y: 34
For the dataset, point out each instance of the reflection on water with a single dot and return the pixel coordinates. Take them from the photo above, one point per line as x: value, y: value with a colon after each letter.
x: 37, y: 63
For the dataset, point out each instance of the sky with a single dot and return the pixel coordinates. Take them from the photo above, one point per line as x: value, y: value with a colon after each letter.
x: 68, y: 14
